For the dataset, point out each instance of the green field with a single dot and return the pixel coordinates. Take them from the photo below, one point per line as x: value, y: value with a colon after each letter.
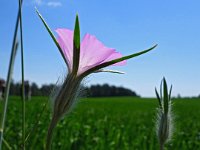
x: 105, y: 124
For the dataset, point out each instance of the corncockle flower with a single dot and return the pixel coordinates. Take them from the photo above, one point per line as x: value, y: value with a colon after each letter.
x: 82, y: 59
x: 164, y: 125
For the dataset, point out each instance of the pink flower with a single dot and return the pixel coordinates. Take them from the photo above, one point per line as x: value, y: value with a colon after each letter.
x: 92, y: 51
x: 82, y: 59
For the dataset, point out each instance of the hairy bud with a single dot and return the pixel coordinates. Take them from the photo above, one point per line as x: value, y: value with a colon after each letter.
x: 164, y: 123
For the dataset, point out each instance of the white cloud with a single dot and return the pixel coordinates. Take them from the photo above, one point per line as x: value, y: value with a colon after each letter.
x: 38, y: 2
x: 54, y: 4
x: 49, y: 3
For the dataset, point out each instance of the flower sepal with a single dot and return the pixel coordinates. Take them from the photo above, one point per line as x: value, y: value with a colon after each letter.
x: 103, y: 65
x: 109, y: 71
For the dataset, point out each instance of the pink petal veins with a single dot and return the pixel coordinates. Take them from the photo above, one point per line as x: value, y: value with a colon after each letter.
x: 94, y: 53
x: 65, y: 40
x: 113, y: 56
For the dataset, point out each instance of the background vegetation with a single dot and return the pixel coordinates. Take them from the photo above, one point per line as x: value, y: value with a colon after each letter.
x: 104, y: 90
x: 104, y: 123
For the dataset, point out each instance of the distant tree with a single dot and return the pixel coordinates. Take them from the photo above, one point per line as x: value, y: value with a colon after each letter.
x: 2, y: 88
x: 104, y: 90
x: 47, y: 89
x: 15, y: 88
x: 12, y: 87
x: 107, y: 91
x: 179, y: 96
x: 35, y: 89
x: 27, y: 90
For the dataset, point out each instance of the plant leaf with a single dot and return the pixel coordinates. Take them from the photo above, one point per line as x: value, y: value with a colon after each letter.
x: 170, y: 91
x: 116, y: 61
x: 110, y: 71
x: 165, y: 96
x: 158, y: 97
x: 76, y: 48
x: 161, y: 92
x: 52, y: 36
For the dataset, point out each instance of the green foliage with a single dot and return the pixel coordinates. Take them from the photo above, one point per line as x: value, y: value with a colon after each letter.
x: 105, y: 123
x: 76, y: 46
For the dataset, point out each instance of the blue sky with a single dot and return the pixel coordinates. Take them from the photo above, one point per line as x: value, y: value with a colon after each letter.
x: 129, y: 26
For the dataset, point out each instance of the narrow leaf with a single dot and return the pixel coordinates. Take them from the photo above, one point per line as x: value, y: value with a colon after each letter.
x: 161, y: 91
x: 6, y: 144
x: 52, y: 36
x: 170, y: 91
x: 38, y: 118
x: 110, y: 71
x: 77, y: 33
x: 76, y: 48
x: 165, y: 96
x: 158, y: 97
x: 117, y: 60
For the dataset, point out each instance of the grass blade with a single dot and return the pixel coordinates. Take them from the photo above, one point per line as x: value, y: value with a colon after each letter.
x: 36, y: 122
x: 9, y: 78
x: 6, y: 144
x: 8, y: 81
x: 22, y: 75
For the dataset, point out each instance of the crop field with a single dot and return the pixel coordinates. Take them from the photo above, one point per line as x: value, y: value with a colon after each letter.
x: 121, y: 123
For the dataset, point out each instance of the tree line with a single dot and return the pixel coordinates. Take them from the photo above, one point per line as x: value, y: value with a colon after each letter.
x: 104, y: 90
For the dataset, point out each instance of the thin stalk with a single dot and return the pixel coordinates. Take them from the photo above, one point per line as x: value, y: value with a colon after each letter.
x: 161, y: 146
x: 22, y: 73
x: 6, y: 144
x: 52, y: 125
x: 8, y: 81
x: 39, y: 116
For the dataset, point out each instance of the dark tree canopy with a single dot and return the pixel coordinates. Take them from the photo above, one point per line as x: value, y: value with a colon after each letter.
x: 104, y: 90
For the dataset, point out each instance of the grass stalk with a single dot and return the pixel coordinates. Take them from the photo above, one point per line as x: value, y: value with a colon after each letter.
x: 52, y: 126
x: 39, y: 116
x: 8, y: 81
x: 7, y: 145
x: 22, y: 75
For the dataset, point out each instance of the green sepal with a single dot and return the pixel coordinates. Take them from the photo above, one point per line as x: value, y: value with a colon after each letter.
x: 109, y: 71
x: 116, y: 61
x: 161, y: 91
x: 159, y: 99
x: 76, y: 46
x: 77, y: 33
x: 170, y: 92
x: 165, y: 96
x: 52, y: 36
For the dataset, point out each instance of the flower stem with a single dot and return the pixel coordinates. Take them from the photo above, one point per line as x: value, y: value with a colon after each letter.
x: 161, y: 146
x: 8, y: 81
x: 39, y: 116
x: 22, y: 73
x: 52, y: 125
x: 7, y: 145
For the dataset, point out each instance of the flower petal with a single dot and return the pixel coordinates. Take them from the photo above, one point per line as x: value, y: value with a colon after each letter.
x: 93, y: 53
x: 113, y: 56
x: 65, y: 40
